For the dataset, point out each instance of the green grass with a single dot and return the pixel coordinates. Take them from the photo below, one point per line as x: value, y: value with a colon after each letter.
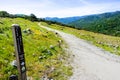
x: 108, y: 43
x: 40, y: 58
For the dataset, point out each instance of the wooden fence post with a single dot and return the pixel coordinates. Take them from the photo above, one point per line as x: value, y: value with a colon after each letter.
x: 19, y: 51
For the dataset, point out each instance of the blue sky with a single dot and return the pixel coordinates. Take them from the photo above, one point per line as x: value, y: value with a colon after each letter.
x: 59, y: 8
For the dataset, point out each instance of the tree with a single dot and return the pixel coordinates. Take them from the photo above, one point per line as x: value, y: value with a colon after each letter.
x: 33, y: 17
x: 4, y: 14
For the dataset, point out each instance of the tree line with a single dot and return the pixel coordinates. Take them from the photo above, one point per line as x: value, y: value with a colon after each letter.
x: 31, y: 17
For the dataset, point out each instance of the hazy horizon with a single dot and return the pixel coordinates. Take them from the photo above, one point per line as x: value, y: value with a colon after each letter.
x: 61, y: 8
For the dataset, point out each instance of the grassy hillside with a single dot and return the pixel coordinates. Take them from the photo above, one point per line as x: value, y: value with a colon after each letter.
x: 107, y: 23
x: 106, y: 42
x: 42, y: 53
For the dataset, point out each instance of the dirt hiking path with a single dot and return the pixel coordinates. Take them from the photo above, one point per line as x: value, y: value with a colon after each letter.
x: 90, y: 62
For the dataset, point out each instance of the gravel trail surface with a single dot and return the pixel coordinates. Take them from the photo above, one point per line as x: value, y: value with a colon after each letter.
x: 90, y: 62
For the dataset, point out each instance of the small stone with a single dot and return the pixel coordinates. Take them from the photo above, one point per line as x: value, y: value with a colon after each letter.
x: 14, y: 63
x: 40, y: 57
x: 52, y: 47
x: 28, y: 29
x: 73, y: 55
x: 9, y: 73
x: 48, y: 51
x: 24, y: 31
x: 13, y: 77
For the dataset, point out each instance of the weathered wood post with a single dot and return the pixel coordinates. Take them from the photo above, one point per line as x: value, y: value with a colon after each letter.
x: 19, y: 51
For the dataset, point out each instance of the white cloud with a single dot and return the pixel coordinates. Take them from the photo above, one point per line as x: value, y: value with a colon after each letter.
x: 84, y: 10
x: 52, y: 8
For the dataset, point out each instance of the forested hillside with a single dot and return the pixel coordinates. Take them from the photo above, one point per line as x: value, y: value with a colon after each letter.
x: 107, y: 23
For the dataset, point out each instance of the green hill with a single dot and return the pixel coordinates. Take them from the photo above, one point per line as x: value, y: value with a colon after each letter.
x: 40, y: 57
x: 106, y: 23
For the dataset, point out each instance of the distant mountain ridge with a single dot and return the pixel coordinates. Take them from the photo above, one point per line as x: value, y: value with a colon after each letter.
x: 91, y: 18
x: 66, y: 20
x: 106, y: 23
